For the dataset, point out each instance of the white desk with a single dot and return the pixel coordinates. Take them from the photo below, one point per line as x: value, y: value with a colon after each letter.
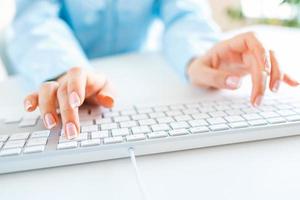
x: 257, y: 170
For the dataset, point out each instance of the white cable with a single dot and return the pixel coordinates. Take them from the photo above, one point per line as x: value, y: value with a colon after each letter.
x: 137, y: 174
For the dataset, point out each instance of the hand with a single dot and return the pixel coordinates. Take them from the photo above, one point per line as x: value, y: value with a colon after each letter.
x: 227, y: 62
x: 68, y: 93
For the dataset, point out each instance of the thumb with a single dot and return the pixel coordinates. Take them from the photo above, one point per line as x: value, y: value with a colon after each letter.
x: 205, y: 76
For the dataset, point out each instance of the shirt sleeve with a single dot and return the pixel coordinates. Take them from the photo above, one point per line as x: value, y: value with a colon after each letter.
x: 189, y: 31
x: 40, y: 45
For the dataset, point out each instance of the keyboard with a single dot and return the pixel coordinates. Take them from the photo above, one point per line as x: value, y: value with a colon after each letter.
x: 109, y: 133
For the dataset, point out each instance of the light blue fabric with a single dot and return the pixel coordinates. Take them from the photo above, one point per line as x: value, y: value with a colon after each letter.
x: 48, y: 37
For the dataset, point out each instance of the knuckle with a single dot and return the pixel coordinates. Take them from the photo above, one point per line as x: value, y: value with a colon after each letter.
x: 49, y: 85
x: 75, y: 70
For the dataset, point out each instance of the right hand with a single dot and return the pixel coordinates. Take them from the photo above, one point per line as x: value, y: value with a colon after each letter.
x: 68, y: 93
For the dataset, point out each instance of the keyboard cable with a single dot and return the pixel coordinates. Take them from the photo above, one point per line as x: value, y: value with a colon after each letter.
x: 139, y: 180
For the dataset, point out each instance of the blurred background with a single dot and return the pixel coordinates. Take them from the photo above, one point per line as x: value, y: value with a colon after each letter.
x: 229, y: 14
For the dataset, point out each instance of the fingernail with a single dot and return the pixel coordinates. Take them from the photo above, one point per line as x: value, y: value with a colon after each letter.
x: 74, y: 100
x: 27, y: 105
x: 107, y: 101
x: 49, y: 121
x: 71, y: 130
x: 276, y: 86
x: 233, y: 82
x: 258, y: 101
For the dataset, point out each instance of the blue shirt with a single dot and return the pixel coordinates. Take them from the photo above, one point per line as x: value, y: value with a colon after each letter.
x: 48, y: 37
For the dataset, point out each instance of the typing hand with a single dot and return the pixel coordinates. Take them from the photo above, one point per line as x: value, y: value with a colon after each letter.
x: 68, y: 93
x: 227, y: 62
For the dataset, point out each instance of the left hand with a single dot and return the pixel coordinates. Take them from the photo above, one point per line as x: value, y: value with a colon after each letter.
x: 224, y: 65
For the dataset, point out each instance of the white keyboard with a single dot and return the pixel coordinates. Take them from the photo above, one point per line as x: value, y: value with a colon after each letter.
x: 107, y: 134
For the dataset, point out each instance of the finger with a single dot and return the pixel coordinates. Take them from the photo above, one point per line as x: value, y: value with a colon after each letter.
x: 47, y: 103
x: 259, y: 79
x: 290, y: 81
x: 276, y: 74
x: 205, y: 76
x: 249, y: 42
x: 76, y: 86
x: 105, y: 97
x: 31, y: 102
x: 69, y: 115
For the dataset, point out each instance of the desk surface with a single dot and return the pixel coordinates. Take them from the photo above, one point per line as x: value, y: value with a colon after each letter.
x: 257, y: 170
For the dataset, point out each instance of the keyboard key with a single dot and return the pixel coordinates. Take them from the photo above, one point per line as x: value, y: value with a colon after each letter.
x: 128, y: 112
x: 217, y: 114
x: 173, y: 113
x: 99, y: 134
x: 199, y: 129
x: 120, y: 132
x: 113, y: 140
x: 178, y: 132
x: 276, y: 120
x: 104, y: 120
x: 161, y: 108
x: 14, y: 144
x: 177, y: 107
x: 258, y: 122
x: 139, y: 117
x: 19, y: 136
x: 157, y: 115
x: 217, y: 120
x: 3, y: 138
x: 34, y: 149
x: 92, y: 142
x: 179, y: 125
x: 27, y: 123
x: 252, y: 116
x: 10, y: 152
x: 67, y: 145
x: 165, y: 120
x: 146, y: 122
x: 235, y: 118
x: 128, y: 124
x: 140, y: 129
x: 144, y: 110
x: 269, y: 114
x: 12, y: 119
x: 183, y: 118
x: 159, y: 134
x: 234, y: 112
x: 89, y: 128
x: 1, y: 144
x: 160, y: 127
x: 36, y: 141
x: 198, y: 122
x: 111, y: 114
x: 285, y: 113
x: 136, y: 137
x: 190, y: 111
x: 293, y: 118
x: 109, y: 126
x: 37, y: 134
x: 121, y: 118
x: 81, y: 136
x: 200, y: 116
x: 219, y: 127
x: 238, y: 125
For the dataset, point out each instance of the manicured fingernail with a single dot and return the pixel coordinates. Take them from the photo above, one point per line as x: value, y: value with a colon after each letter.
x: 74, y: 100
x: 258, y: 101
x: 233, y: 82
x: 49, y: 121
x: 107, y: 101
x: 71, y: 130
x: 27, y: 105
x: 276, y: 86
